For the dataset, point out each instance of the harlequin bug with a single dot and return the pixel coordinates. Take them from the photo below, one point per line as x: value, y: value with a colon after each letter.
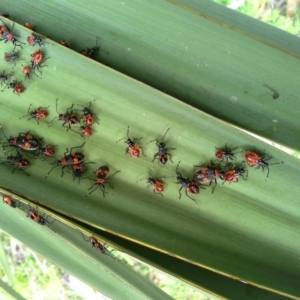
x: 19, y: 162
x: 37, y: 58
x: 70, y: 158
x: 88, y: 117
x: 34, y: 39
x: 29, y: 26
x: 232, y: 174
x: 225, y: 154
x: 86, y: 131
x: 65, y: 43
x: 24, y: 141
x: 9, y: 201
x: 68, y: 117
x: 253, y: 158
x: 8, y: 36
x: 162, y: 154
x: 39, y: 113
x: 207, y: 175
x: 191, y: 187
x: 11, y: 57
x: 102, y: 176
x: 133, y: 148
x: 17, y: 87
x: 34, y: 216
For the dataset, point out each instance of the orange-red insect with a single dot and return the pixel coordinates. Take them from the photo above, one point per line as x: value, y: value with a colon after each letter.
x: 17, y: 87
x: 133, y: 148
x: 34, y: 39
x: 29, y: 26
x: 96, y: 244
x: 34, y: 216
x: 102, y: 176
x: 86, y: 130
x: 88, y: 117
x: 39, y: 113
x: 9, y: 201
x: 157, y: 184
x: 232, y: 175
x: 37, y: 58
x: 253, y: 158
x: 225, y: 154
x: 65, y: 43
x: 69, y: 158
x: 208, y: 175
x: 190, y: 186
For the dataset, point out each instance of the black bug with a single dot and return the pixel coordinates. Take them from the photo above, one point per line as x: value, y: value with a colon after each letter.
x: 162, y: 155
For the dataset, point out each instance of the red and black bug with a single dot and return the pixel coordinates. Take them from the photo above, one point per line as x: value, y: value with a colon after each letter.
x: 162, y: 155
x: 29, y: 26
x: 78, y: 170
x: 28, y: 71
x: 190, y: 186
x: 133, y: 148
x: 17, y: 87
x: 95, y: 243
x: 39, y: 113
x: 232, y: 174
x: 34, y: 39
x: 19, y: 162
x: 70, y: 158
x: 36, y: 217
x: 88, y: 117
x: 157, y: 184
x: 102, y: 176
x: 37, y: 58
x: 24, y: 141
x: 47, y: 151
x: 208, y: 174
x: 86, y: 131
x: 11, y: 57
x: 65, y: 43
x: 9, y: 201
x: 225, y: 154
x: 68, y: 118
x: 260, y: 160
x: 90, y: 52
x: 7, y: 36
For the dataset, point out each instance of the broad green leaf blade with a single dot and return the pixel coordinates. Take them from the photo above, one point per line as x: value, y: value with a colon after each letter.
x: 218, y: 60
x: 100, y: 271
x: 221, y: 232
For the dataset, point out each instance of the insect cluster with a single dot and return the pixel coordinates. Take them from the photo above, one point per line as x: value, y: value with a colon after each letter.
x: 27, y: 146
x: 37, y: 60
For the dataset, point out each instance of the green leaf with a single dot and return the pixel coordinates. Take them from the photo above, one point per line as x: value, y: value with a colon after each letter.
x: 207, y: 55
x: 246, y: 230
x: 100, y: 271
